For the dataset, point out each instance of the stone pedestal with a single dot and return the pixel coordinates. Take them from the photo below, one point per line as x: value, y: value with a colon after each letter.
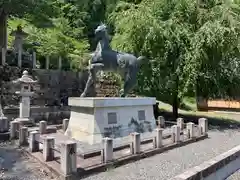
x: 25, y: 107
x: 92, y: 119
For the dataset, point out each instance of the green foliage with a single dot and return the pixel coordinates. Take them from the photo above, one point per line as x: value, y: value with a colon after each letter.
x: 54, y: 41
x: 190, y: 45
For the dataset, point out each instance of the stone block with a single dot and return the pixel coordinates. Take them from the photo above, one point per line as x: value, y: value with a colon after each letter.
x: 34, y: 138
x: 68, y: 158
x: 23, y: 136
x: 48, y: 148
x: 136, y: 140
x: 42, y: 127
x: 108, y: 149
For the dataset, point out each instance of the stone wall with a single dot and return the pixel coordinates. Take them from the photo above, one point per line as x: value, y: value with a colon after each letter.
x: 46, y: 102
x: 52, y: 84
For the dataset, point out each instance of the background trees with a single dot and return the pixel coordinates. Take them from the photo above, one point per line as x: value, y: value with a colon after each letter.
x: 193, y: 46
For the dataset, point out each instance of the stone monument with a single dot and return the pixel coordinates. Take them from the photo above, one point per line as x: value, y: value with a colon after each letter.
x: 25, y: 93
x: 93, y: 118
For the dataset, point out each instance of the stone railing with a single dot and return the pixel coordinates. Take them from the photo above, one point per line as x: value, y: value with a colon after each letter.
x: 218, y: 168
x: 71, y: 161
x: 32, y: 59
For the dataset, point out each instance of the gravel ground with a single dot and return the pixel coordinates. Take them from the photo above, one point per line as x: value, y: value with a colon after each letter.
x: 167, y: 165
x: 15, y: 166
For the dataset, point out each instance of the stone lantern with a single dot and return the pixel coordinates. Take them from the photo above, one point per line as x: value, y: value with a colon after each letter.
x: 19, y: 35
x: 25, y: 93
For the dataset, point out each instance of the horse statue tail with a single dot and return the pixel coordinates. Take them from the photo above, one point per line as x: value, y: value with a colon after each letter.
x: 140, y: 59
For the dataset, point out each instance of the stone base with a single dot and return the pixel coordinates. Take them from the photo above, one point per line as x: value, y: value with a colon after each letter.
x: 92, y: 119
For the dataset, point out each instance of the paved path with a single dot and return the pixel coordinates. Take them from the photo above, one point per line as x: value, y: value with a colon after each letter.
x: 167, y: 165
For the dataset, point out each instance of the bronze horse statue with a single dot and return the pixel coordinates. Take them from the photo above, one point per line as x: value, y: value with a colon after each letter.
x: 106, y: 59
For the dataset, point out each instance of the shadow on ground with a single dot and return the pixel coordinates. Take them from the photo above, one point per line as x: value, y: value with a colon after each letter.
x: 214, y: 123
x: 12, y: 162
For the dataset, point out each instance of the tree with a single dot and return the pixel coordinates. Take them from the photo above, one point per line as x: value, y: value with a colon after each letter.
x: 40, y: 11
x: 189, y: 45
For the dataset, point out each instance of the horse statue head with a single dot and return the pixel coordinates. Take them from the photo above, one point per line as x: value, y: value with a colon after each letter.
x: 101, y: 32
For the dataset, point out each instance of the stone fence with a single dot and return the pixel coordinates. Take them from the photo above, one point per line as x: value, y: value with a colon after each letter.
x: 218, y: 168
x: 32, y: 60
x: 65, y: 161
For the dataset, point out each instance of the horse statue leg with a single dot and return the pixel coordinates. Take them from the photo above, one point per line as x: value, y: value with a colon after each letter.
x: 130, y: 81
x: 91, y: 77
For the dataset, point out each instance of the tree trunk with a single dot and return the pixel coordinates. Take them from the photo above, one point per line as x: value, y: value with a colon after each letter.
x: 175, y: 102
x: 3, y: 30
x: 175, y: 105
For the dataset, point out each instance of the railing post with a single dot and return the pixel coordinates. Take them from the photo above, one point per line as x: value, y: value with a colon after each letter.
x: 173, y: 134
x: 69, y: 158
x: 65, y: 124
x: 158, y: 138
x: 48, y: 148
x: 190, y: 130
x: 177, y: 134
x: 14, y: 129
x: 42, y: 127
x: 34, y: 141
x: 180, y: 123
x: 23, y: 136
x: 136, y: 141
x: 203, y: 125
x: 108, y: 149
x: 161, y: 122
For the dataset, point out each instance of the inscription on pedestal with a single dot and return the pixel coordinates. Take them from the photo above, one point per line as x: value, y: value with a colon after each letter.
x: 141, y: 115
x: 112, y: 118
